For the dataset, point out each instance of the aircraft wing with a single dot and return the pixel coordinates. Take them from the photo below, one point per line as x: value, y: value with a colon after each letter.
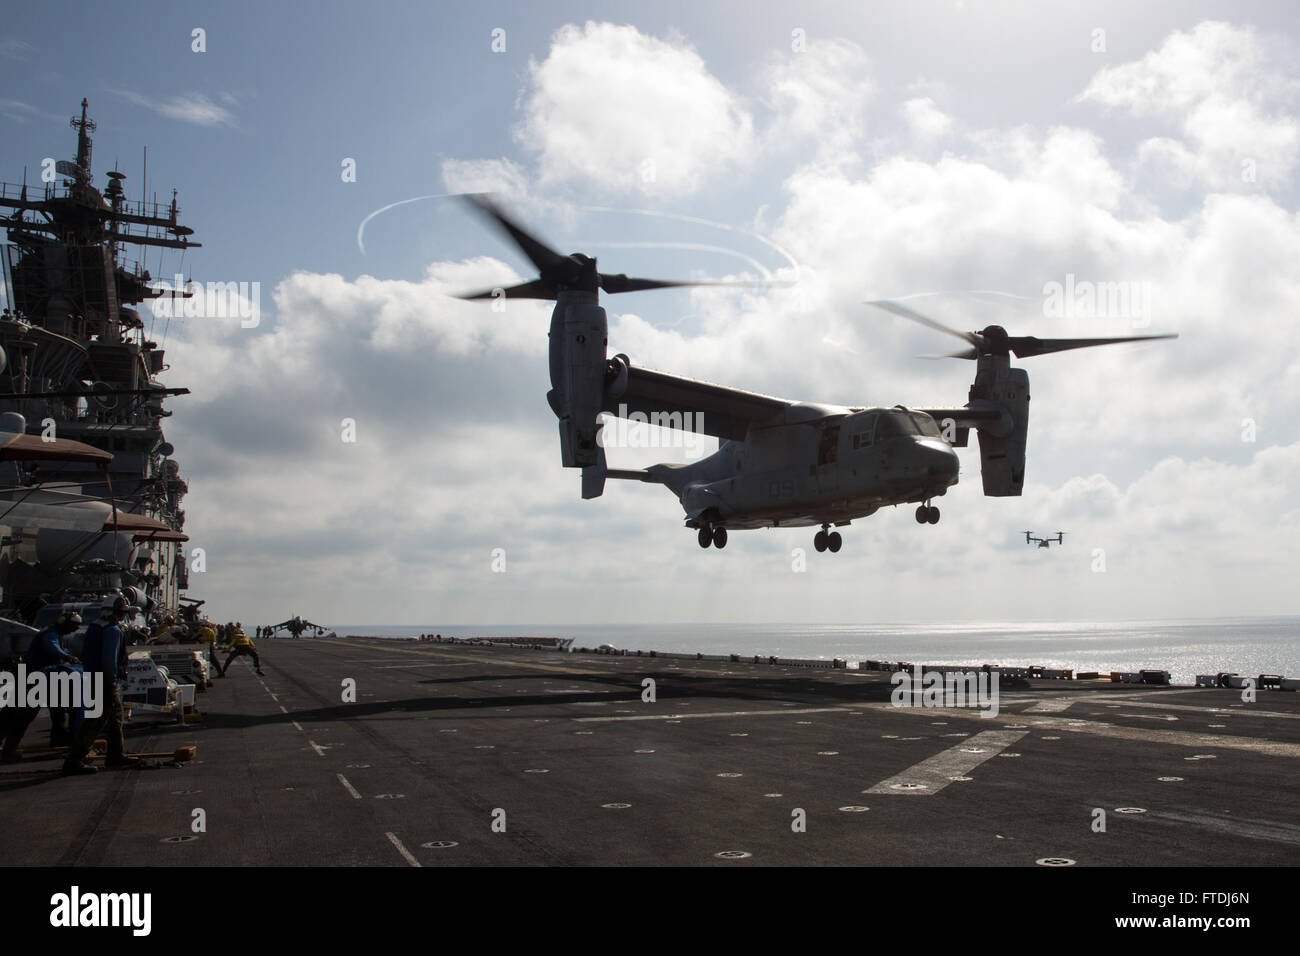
x: 965, y: 417
x: 717, y: 410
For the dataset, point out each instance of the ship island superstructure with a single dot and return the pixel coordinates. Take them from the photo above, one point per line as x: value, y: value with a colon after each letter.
x: 79, y: 365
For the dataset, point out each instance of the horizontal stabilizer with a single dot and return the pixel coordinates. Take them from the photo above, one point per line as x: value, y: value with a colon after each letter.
x: 633, y: 475
x: 593, y: 477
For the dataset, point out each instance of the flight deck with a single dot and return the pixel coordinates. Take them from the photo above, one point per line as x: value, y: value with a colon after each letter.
x: 462, y: 755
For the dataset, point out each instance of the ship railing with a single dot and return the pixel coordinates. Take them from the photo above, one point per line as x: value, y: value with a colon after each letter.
x: 39, y: 192
x: 150, y: 210
x: 132, y: 266
x: 15, y: 191
x: 36, y: 192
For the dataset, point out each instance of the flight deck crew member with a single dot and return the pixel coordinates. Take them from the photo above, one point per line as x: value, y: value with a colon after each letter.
x: 166, y: 632
x: 46, y: 650
x: 105, y: 653
x: 208, y: 636
x: 241, y: 644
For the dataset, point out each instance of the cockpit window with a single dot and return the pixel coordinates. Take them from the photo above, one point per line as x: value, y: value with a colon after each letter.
x: 927, y: 426
x: 895, y: 425
x: 898, y: 423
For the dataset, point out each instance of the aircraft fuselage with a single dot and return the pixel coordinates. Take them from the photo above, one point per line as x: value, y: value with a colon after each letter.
x: 827, y: 471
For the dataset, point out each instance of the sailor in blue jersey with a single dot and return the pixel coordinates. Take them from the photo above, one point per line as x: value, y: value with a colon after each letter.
x: 45, y: 651
x: 104, y: 653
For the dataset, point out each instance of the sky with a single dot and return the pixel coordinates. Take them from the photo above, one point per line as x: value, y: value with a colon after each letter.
x: 375, y: 450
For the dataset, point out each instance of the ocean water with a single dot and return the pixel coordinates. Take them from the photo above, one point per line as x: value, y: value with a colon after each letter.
x: 1249, y: 645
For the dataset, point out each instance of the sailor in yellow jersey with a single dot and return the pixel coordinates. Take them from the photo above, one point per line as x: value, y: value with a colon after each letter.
x: 207, y: 634
x: 241, y: 644
x: 165, y: 632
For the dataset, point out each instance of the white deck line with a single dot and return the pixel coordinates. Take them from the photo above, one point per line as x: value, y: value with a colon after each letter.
x: 934, y: 773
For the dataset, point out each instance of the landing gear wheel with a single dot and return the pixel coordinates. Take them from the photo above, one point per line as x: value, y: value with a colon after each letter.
x: 834, y: 542
x: 933, y: 515
x: 705, y: 537
x: 820, y: 541
x: 719, y: 538
x: 922, y: 514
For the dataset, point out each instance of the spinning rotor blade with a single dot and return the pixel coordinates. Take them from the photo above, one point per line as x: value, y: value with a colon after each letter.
x: 897, y: 308
x: 963, y: 354
x: 994, y: 340
x: 539, y: 253
x: 537, y: 289
x: 1027, y: 346
x: 558, y: 272
x: 622, y: 283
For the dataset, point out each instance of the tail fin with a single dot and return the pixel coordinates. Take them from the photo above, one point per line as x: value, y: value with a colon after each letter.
x: 593, y: 476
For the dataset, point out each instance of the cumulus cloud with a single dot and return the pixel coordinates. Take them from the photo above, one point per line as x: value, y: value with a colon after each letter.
x: 617, y: 108
x: 443, y: 394
x: 1223, y: 277
x: 1215, y: 82
x: 818, y: 97
x: 925, y: 120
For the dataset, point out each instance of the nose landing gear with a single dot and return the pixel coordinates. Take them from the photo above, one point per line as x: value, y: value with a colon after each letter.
x: 827, y: 540
x: 927, y: 514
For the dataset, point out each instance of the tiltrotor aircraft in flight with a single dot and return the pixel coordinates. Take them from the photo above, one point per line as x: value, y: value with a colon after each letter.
x: 779, y: 463
x: 1045, y: 542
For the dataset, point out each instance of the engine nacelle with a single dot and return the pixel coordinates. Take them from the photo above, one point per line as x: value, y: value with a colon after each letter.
x: 1002, y: 445
x: 578, y: 341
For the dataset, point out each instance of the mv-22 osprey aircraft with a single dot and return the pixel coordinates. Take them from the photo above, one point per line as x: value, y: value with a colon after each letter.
x: 1045, y: 542
x: 779, y: 463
